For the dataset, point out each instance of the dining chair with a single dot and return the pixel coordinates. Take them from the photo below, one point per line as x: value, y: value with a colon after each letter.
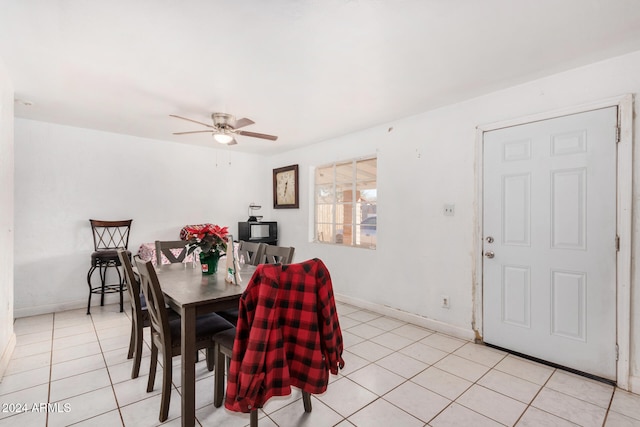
x: 251, y: 252
x: 288, y: 334
x: 223, y: 354
x: 266, y: 254
x: 108, y: 237
x: 165, y: 333
x: 168, y: 249
x: 139, y: 313
x: 277, y: 255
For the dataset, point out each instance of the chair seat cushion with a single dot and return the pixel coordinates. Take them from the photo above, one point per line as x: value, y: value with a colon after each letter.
x: 230, y: 315
x: 107, y: 256
x: 226, y: 338
x: 206, y: 326
x: 143, y: 307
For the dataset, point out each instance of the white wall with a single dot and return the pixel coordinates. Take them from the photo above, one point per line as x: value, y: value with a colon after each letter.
x: 7, y: 337
x: 64, y: 176
x: 426, y: 161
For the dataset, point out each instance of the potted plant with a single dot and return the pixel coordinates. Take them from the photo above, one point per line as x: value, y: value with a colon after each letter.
x: 209, y: 242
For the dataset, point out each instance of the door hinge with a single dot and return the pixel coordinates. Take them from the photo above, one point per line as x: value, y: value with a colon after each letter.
x: 617, y: 352
x: 617, y: 243
x: 618, y: 132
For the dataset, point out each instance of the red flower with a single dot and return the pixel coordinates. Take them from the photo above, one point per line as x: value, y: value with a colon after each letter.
x: 208, y: 237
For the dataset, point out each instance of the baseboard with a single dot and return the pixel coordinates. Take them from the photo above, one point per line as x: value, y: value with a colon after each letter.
x: 64, y: 306
x: 6, y: 356
x: 434, y: 325
x: 47, y: 308
x: 634, y: 384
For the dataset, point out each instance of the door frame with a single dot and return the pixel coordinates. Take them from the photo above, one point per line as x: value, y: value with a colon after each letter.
x: 624, y: 198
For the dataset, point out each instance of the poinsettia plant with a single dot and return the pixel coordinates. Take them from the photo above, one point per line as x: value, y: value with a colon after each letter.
x: 209, y: 238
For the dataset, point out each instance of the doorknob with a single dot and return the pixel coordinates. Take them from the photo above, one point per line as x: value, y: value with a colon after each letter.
x: 489, y: 254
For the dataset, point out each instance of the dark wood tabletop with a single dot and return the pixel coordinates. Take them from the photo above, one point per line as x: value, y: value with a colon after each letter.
x: 185, y: 286
x: 191, y: 293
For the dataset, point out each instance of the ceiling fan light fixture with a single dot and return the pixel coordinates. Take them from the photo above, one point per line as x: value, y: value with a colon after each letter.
x: 224, y: 128
x: 222, y: 137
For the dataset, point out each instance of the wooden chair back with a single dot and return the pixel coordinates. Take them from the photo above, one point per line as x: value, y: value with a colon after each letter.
x: 168, y: 249
x: 277, y: 254
x: 156, y: 306
x: 139, y: 313
x: 133, y: 285
x: 252, y: 252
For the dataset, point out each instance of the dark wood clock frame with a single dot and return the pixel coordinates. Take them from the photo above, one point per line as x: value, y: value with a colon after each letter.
x: 276, y: 172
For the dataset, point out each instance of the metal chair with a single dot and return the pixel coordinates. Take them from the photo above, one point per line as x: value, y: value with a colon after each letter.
x: 108, y: 237
x: 277, y: 255
x: 251, y: 252
x: 165, y: 248
x: 165, y: 333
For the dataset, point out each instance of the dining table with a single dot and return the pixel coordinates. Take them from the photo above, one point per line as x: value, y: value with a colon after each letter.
x: 191, y: 293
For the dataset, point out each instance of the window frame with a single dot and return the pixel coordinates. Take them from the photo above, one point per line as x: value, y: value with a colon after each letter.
x: 336, y: 203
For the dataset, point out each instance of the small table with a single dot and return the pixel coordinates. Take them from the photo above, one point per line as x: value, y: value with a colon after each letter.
x: 190, y: 293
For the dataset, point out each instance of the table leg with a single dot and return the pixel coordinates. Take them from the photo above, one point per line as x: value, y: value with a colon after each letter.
x: 188, y: 350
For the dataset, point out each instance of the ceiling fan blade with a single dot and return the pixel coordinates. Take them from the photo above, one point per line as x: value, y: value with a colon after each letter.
x: 240, y: 123
x: 192, y: 131
x: 190, y: 120
x: 257, y: 135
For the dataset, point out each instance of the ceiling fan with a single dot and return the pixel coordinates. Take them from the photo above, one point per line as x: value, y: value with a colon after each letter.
x: 225, y: 127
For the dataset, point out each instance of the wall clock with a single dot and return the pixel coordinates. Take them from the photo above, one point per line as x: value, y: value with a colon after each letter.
x: 285, y: 187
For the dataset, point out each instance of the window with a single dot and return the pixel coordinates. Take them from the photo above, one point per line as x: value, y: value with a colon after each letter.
x: 346, y: 203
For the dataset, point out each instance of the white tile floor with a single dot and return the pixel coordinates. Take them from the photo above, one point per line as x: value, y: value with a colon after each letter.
x: 396, y: 374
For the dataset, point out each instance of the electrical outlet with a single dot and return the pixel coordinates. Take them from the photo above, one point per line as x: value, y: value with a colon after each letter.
x: 444, y: 301
x: 449, y: 210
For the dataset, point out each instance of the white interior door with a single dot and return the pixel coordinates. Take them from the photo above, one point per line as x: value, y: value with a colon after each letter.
x: 549, y: 226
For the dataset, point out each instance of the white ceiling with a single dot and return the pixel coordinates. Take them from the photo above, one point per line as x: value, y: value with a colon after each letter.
x: 305, y: 70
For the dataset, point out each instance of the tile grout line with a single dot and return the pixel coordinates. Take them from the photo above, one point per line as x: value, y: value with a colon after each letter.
x: 491, y: 367
x: 528, y: 405
x: 452, y: 401
x: 433, y: 365
x: 606, y: 415
x: 607, y: 409
x: 108, y: 374
x: 113, y: 390
x: 405, y: 379
x: 468, y: 388
x: 53, y: 331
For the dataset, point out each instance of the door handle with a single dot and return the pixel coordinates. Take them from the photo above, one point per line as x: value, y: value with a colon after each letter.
x: 489, y: 254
